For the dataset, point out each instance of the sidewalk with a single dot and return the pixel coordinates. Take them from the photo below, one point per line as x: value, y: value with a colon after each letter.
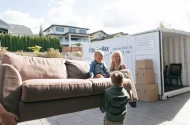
x: 175, y: 111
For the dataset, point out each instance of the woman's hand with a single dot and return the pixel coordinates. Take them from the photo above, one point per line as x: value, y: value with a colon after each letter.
x: 8, y: 118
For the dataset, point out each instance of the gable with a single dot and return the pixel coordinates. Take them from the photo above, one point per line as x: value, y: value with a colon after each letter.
x: 4, y: 24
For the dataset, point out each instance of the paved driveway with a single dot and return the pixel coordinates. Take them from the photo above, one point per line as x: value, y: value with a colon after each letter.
x: 175, y: 111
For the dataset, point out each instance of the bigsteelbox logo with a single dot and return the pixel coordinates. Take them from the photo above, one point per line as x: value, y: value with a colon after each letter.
x: 103, y: 48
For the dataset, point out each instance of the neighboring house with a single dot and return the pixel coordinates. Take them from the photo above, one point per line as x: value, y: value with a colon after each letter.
x: 115, y: 35
x: 14, y: 29
x: 4, y: 27
x: 68, y: 35
x: 98, y: 35
x: 101, y: 35
x: 20, y: 30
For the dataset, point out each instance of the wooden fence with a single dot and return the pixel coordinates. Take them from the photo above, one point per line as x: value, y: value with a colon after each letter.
x: 71, y: 49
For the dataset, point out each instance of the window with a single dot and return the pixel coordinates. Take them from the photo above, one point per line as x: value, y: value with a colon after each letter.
x: 100, y: 36
x: 61, y: 39
x: 85, y: 40
x: 59, y: 29
x: 82, y: 31
x: 72, y: 30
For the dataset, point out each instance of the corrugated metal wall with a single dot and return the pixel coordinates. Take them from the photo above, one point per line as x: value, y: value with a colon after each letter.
x: 176, y: 49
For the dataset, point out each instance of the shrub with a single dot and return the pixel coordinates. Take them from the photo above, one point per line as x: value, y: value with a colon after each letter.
x: 21, y: 52
x: 52, y: 53
x: 35, y: 49
x: 3, y: 50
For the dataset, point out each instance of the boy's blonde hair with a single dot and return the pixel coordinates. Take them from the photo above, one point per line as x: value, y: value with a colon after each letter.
x: 117, y: 78
x: 98, y: 52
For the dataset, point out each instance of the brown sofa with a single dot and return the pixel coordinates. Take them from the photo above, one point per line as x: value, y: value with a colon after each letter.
x: 34, y: 87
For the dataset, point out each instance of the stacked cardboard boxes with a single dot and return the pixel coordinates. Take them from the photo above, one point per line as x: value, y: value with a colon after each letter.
x: 147, y: 90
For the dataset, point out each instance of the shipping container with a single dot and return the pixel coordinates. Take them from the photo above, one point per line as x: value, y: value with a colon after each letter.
x: 162, y: 46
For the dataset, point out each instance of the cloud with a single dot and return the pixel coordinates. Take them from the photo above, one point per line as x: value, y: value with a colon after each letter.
x: 129, y: 16
x: 62, y: 13
x: 16, y: 17
x: 137, y: 15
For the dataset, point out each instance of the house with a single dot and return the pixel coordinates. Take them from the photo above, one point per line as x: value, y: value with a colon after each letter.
x: 115, y: 35
x: 68, y: 35
x: 20, y: 30
x: 98, y: 35
x: 4, y: 27
x: 14, y: 29
x: 101, y: 35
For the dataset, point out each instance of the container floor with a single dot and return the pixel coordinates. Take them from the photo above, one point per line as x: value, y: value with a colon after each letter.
x: 171, y: 87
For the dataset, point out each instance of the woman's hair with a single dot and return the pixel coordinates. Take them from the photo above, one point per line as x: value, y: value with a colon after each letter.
x: 120, y: 59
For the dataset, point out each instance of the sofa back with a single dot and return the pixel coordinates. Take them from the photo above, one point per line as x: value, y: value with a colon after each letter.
x: 77, y: 69
x: 36, y: 67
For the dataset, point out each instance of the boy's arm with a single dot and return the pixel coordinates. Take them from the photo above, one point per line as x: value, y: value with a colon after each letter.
x: 91, y: 72
x: 104, y: 104
x: 105, y: 69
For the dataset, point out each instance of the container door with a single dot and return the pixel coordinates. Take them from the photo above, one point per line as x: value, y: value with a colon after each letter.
x: 147, y: 46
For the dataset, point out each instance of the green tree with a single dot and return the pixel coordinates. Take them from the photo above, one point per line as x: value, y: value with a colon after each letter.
x: 78, y: 45
x: 41, y: 32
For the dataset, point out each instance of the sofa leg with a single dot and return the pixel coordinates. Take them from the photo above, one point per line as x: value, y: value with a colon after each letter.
x: 133, y: 104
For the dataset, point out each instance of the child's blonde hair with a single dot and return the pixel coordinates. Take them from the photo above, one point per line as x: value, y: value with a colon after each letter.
x: 98, y: 52
x: 117, y: 78
x: 120, y: 59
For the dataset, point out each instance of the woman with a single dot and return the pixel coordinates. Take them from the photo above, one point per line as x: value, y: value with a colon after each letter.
x: 117, y: 62
x: 116, y: 65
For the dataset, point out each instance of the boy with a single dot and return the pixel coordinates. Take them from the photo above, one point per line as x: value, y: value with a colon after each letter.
x: 7, y: 118
x: 115, y: 101
x: 97, y: 67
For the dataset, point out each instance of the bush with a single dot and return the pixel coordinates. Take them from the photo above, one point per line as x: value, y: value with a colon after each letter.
x: 21, y: 52
x: 52, y: 53
x: 2, y: 50
x: 15, y: 43
x: 35, y: 49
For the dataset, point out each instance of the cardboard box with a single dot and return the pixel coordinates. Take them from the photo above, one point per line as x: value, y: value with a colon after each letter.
x: 145, y: 76
x: 144, y: 64
x: 147, y: 93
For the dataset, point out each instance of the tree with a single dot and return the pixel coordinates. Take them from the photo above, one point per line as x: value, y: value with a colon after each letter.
x: 162, y: 25
x: 41, y: 33
x: 78, y: 45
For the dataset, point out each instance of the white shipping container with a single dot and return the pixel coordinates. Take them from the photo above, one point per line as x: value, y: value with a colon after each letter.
x: 160, y: 45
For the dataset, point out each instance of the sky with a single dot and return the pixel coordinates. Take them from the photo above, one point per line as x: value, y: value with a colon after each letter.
x: 111, y: 16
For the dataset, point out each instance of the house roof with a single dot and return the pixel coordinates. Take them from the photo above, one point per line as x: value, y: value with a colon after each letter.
x: 64, y: 26
x: 98, y: 31
x: 3, y: 23
x: 20, y: 29
x: 117, y: 33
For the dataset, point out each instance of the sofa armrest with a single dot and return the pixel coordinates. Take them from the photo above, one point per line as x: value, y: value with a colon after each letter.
x: 127, y: 74
x: 10, y: 88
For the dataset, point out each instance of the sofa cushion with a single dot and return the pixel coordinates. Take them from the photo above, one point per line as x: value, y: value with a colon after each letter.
x: 77, y: 69
x: 36, y: 67
x: 48, y: 89
x: 100, y: 84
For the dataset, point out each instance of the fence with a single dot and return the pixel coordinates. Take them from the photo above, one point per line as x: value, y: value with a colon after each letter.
x: 71, y: 49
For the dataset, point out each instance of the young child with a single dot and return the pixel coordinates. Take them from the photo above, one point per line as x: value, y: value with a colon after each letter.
x: 98, y: 67
x: 115, y: 101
